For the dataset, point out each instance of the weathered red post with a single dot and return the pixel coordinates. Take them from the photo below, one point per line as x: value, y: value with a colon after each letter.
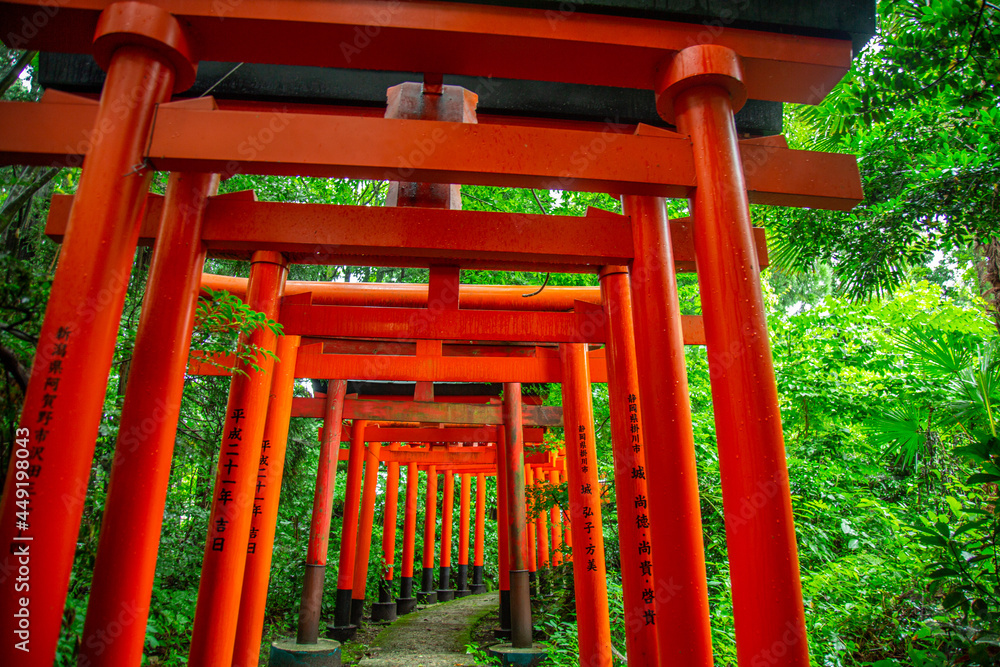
x: 555, y: 519
x: 147, y: 56
x: 542, y: 532
x: 532, y: 543
x: 407, y: 602
x: 463, y: 537
x: 631, y: 495
x: 674, y: 505
x: 701, y: 88
x: 593, y: 624
x: 133, y: 510
x: 503, y: 539
x: 236, y: 477
x: 365, y: 528
x: 342, y: 629
x: 478, y: 587
x: 385, y: 608
x: 267, y: 491
x: 319, y: 527
x: 445, y: 592
x: 427, y: 594
x: 511, y: 459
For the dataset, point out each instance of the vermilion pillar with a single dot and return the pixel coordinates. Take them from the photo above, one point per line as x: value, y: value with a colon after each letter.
x: 463, y: 537
x: 589, y: 573
x: 236, y: 477
x: 385, y: 608
x: 529, y: 481
x: 512, y: 460
x: 133, y: 510
x: 319, y: 526
x: 365, y: 529
x: 146, y: 55
x: 342, y: 628
x: 542, y: 533
x: 445, y: 592
x: 428, y: 595
x: 682, y: 624
x: 631, y: 494
x: 556, y: 523
x: 406, y: 602
x: 267, y: 492
x: 478, y: 587
x: 503, y: 536
x: 702, y: 87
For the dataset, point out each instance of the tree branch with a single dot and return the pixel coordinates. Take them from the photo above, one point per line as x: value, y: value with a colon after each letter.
x: 12, y: 365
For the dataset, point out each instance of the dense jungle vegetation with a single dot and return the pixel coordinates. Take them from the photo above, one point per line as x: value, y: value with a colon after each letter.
x: 884, y: 325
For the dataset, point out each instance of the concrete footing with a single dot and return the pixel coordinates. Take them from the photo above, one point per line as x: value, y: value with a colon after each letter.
x: 444, y: 595
x: 405, y: 605
x: 384, y: 612
x: 341, y: 633
x: 517, y: 656
x: 477, y: 589
x: 324, y: 653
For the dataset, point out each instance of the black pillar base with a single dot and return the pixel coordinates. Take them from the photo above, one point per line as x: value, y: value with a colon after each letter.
x: 503, y: 632
x: 357, y: 611
x: 477, y: 587
x: 342, y: 633
x: 342, y: 609
x: 463, y: 582
x: 406, y: 587
x: 384, y: 612
x: 405, y: 605
x: 427, y: 595
x: 444, y: 592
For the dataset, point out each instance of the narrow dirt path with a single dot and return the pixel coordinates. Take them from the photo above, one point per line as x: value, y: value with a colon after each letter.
x: 433, y: 637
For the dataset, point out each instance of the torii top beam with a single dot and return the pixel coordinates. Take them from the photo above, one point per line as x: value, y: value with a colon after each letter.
x: 475, y: 40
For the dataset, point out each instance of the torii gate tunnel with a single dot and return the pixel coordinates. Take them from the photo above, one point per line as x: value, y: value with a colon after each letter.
x: 634, y: 98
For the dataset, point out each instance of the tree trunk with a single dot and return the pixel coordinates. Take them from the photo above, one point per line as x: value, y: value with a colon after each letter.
x: 987, y: 256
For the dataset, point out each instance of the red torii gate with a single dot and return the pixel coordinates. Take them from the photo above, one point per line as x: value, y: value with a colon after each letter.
x: 147, y: 51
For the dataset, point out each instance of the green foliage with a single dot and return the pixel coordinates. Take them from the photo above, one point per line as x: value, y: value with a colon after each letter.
x: 223, y: 320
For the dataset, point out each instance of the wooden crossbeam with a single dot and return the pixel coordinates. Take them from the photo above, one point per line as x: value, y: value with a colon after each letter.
x: 465, y: 39
x: 236, y: 226
x: 657, y: 164
x: 422, y: 411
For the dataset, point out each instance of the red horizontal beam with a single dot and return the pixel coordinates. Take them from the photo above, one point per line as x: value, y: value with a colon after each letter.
x: 421, y: 411
x: 447, y: 434
x: 413, y: 237
x: 403, y: 236
x: 475, y: 40
x: 485, y: 457
x: 657, y: 163
x: 426, y: 324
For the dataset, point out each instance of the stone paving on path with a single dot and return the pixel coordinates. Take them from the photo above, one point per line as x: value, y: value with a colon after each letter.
x: 432, y: 637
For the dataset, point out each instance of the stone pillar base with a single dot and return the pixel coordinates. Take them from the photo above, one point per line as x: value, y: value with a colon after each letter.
x: 517, y: 656
x: 286, y: 653
x: 341, y: 633
x: 405, y: 605
x: 384, y: 612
